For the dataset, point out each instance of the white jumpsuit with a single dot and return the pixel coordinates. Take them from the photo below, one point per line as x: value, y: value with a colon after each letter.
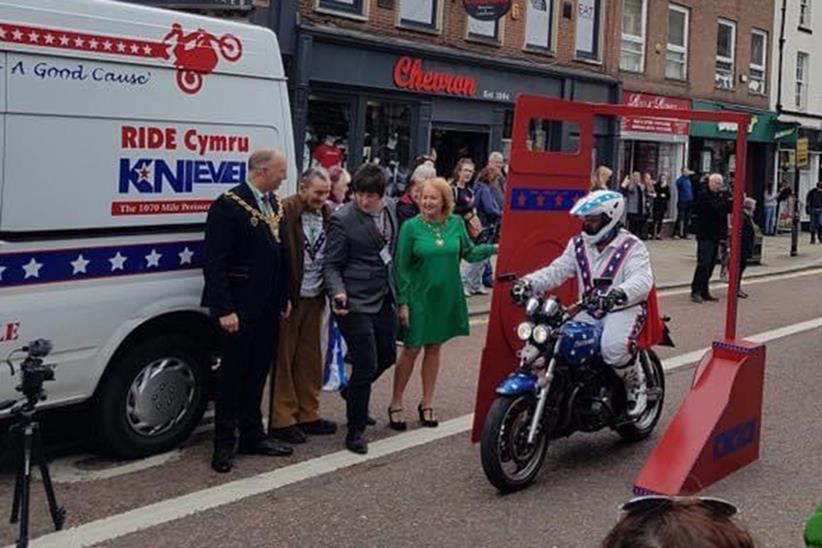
x: 631, y: 273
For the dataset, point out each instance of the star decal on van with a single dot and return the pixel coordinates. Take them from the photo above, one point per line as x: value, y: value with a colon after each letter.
x: 69, y: 265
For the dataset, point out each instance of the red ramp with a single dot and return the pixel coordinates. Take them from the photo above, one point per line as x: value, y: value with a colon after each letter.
x: 716, y: 429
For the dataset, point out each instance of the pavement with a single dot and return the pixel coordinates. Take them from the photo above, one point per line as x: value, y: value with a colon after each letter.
x: 674, y: 262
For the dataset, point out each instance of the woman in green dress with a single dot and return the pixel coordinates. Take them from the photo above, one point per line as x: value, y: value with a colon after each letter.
x: 431, y: 301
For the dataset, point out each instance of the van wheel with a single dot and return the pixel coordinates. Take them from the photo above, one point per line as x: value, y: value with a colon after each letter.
x: 153, y: 396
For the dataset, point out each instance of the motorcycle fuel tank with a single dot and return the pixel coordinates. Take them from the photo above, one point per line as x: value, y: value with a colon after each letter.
x: 580, y: 342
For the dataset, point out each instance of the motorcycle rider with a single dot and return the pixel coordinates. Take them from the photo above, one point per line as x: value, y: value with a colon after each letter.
x: 605, y: 250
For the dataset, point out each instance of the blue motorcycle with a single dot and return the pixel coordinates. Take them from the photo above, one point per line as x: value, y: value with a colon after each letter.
x: 561, y: 386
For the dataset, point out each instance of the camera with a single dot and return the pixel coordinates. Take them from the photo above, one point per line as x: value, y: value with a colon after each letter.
x: 34, y: 372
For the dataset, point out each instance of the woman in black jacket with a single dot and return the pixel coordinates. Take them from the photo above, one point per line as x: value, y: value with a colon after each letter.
x: 748, y: 237
x: 661, y: 201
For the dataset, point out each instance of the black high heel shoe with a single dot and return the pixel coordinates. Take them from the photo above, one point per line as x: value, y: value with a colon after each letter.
x: 400, y: 426
x: 430, y: 422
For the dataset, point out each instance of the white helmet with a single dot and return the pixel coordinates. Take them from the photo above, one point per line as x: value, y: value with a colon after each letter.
x: 608, y: 203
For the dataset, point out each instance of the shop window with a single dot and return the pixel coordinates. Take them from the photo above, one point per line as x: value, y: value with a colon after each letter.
x: 327, y: 133
x: 387, y: 139
x: 507, y: 131
x: 419, y: 14
x: 725, y: 49
x: 539, y: 15
x: 587, y: 29
x: 757, y: 69
x: 552, y: 136
x: 632, y: 50
x: 483, y: 30
x: 801, y: 96
x: 805, y: 14
x: 676, y: 54
x: 343, y: 7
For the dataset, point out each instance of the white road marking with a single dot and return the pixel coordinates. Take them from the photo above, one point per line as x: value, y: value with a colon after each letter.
x: 69, y: 470
x: 165, y: 511
x: 179, y: 507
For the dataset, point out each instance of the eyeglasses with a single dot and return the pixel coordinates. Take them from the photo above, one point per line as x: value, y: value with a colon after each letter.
x: 650, y: 503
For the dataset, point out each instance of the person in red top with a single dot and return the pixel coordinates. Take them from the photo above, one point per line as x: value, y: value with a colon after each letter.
x: 327, y: 154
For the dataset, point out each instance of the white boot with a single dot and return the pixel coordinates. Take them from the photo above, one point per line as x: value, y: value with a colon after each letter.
x: 635, y: 388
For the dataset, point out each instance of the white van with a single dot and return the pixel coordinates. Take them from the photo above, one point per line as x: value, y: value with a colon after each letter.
x: 120, y: 124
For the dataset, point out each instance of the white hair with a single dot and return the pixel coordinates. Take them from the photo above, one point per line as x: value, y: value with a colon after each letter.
x: 423, y: 172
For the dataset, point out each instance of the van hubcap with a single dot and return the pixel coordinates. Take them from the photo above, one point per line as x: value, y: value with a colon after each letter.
x: 160, y: 396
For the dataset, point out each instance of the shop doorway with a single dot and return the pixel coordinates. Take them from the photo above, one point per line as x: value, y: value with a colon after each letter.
x: 453, y: 143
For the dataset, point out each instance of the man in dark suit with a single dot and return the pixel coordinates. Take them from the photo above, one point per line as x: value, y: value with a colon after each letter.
x: 246, y: 290
x: 359, y: 280
x: 712, y: 208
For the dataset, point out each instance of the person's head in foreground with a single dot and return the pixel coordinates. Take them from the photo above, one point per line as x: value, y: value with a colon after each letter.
x: 672, y: 522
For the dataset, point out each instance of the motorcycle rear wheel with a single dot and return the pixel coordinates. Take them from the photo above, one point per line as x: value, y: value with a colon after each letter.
x: 642, y: 427
x: 509, y: 462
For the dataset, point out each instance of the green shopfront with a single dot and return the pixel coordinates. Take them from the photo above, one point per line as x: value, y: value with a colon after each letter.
x: 713, y: 147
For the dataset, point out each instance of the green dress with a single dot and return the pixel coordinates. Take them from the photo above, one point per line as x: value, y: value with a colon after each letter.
x: 427, y: 272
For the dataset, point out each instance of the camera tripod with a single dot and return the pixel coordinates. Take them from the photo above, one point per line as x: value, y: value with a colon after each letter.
x: 26, y: 433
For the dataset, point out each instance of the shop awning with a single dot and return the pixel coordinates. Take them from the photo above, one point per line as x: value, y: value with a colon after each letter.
x: 761, y: 129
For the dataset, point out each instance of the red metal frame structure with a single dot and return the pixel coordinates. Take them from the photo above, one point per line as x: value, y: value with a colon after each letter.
x: 541, y: 188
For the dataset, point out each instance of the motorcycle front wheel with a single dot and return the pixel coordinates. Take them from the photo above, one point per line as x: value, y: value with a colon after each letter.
x: 510, y: 463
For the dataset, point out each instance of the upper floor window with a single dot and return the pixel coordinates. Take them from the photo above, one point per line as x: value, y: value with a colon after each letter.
x: 632, y: 50
x: 802, y: 64
x: 421, y: 14
x: 587, y: 29
x: 347, y: 7
x: 539, y: 16
x: 483, y: 30
x: 725, y: 50
x: 676, y: 54
x: 805, y: 14
x: 758, y: 66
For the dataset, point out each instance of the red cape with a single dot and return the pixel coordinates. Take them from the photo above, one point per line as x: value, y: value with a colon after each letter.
x: 651, y: 334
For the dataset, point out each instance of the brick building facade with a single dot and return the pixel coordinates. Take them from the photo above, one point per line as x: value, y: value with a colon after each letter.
x: 704, y: 55
x: 348, y: 54
x: 357, y: 71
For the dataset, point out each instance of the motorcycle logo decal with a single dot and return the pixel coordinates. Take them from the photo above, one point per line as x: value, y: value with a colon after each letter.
x: 193, y: 54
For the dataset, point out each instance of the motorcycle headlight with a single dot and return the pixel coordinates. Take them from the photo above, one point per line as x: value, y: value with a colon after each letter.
x: 524, y: 331
x: 540, y: 334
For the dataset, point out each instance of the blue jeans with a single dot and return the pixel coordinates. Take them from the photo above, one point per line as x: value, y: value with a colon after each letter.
x: 769, y: 212
x: 472, y: 276
x: 816, y: 224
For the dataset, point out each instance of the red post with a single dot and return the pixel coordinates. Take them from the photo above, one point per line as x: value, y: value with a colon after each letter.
x: 736, y: 230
